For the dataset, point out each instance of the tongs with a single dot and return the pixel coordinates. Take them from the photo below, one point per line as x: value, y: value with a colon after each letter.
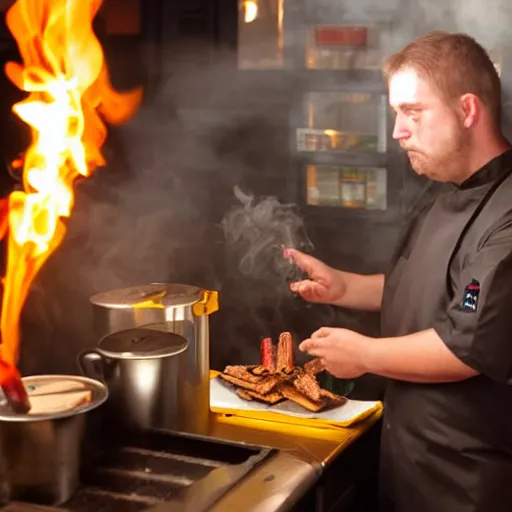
x: 13, y: 388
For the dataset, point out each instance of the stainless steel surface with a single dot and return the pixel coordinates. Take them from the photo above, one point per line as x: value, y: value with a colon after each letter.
x: 276, y: 486
x: 40, y: 454
x: 137, y: 471
x: 273, y: 486
x: 149, y: 342
x: 156, y: 293
x: 184, y: 310
x: 143, y: 369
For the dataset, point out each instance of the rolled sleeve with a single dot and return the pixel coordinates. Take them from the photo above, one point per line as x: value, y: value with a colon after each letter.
x: 482, y: 338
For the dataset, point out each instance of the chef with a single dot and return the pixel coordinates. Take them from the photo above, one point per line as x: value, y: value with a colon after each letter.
x: 446, y: 302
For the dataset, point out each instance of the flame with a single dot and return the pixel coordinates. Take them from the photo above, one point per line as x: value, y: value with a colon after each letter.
x: 250, y: 10
x: 70, y: 98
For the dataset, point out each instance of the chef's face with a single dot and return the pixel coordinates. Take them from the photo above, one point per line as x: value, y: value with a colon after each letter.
x: 427, y: 127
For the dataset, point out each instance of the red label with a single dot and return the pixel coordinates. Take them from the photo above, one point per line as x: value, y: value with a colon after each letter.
x: 341, y: 36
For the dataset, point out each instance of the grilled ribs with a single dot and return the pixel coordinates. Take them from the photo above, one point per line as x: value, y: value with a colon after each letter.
x: 294, y: 395
x: 266, y: 385
x: 267, y: 355
x: 314, y: 366
x: 285, y: 353
x: 277, y: 378
x: 242, y: 372
x: 244, y: 394
x: 308, y: 386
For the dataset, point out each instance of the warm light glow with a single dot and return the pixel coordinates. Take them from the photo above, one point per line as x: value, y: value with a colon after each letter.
x: 280, y: 29
x: 250, y: 10
x: 69, y: 99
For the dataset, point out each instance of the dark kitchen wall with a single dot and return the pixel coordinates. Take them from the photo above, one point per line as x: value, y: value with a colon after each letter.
x: 165, y: 207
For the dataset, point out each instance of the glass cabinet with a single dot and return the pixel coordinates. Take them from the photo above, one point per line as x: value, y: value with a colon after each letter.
x: 347, y: 187
x: 343, y: 121
x: 342, y: 47
x: 339, y: 115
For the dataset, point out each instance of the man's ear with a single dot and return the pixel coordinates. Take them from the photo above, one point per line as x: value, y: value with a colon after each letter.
x: 471, y: 108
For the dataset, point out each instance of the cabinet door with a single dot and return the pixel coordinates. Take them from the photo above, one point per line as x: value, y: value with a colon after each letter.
x: 338, y: 121
x: 341, y: 186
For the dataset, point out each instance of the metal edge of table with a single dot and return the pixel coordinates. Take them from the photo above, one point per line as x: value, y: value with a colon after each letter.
x: 318, y: 446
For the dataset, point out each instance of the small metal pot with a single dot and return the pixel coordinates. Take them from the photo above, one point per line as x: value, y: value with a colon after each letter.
x: 185, y: 310
x: 144, y: 371
x: 40, y: 454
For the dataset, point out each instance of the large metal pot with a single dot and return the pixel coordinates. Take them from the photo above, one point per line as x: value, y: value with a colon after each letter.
x: 143, y: 369
x: 40, y: 454
x: 185, y: 311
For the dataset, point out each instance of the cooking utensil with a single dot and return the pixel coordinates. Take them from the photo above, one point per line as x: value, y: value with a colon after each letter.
x: 184, y: 310
x: 143, y: 369
x: 13, y: 389
x: 40, y: 454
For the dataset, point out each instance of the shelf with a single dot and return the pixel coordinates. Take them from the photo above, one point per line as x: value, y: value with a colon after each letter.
x: 342, y: 159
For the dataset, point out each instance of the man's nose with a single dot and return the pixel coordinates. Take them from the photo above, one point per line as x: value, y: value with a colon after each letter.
x: 400, y: 130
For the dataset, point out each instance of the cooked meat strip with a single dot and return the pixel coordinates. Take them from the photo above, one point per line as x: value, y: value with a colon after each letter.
x: 267, y: 355
x: 259, y: 370
x: 245, y: 395
x: 285, y: 353
x: 242, y: 372
x: 264, y: 386
x: 293, y: 395
x: 314, y: 366
x: 308, y: 385
x: 270, y: 398
x: 267, y: 384
x: 333, y: 399
x: 237, y: 382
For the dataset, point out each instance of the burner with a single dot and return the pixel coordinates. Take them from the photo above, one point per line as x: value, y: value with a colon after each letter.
x: 136, y: 471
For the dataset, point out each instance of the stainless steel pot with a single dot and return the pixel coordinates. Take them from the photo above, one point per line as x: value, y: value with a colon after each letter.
x: 185, y: 311
x: 40, y: 454
x: 143, y: 369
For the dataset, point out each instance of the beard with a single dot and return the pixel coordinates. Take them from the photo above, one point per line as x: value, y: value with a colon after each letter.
x: 445, y: 163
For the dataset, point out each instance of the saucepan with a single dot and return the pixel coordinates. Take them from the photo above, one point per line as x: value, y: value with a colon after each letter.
x: 41, y: 452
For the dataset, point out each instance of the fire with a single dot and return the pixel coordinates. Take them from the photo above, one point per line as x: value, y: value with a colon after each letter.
x: 250, y: 10
x: 70, y: 98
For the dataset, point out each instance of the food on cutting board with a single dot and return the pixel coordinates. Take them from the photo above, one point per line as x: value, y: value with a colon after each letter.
x: 277, y: 378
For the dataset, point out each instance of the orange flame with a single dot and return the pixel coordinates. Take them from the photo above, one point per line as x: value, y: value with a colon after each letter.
x: 70, y: 97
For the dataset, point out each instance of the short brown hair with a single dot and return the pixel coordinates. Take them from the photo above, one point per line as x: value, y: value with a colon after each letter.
x: 455, y: 63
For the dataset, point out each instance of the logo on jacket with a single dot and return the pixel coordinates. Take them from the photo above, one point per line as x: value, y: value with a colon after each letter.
x: 470, y: 300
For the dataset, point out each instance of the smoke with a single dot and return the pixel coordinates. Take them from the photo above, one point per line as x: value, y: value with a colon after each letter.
x: 164, y: 209
x: 257, y: 232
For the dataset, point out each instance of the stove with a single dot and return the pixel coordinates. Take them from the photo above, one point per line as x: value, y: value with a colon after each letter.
x: 140, y: 471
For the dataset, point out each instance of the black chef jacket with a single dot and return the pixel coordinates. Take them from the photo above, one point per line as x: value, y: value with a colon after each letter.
x: 448, y: 447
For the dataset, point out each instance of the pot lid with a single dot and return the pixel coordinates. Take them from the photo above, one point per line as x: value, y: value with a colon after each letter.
x: 148, y: 342
x: 56, y: 396
x: 150, y: 295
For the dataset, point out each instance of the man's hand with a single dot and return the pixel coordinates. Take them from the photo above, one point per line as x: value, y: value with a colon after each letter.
x: 341, y: 350
x: 325, y: 285
x: 417, y: 357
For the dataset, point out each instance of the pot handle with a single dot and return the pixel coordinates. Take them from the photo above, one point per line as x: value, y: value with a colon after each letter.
x: 91, y: 364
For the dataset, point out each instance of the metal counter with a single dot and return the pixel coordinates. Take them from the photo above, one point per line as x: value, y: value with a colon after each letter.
x: 292, y: 460
x: 316, y: 446
x: 280, y: 482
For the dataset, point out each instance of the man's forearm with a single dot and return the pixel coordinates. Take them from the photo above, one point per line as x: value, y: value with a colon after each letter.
x: 420, y: 357
x: 361, y: 292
